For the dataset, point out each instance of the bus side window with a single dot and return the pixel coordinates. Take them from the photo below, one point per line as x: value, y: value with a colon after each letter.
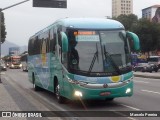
x: 48, y: 41
x: 59, y: 42
x: 36, y: 46
x: 59, y: 38
x: 31, y: 46
x: 52, y: 40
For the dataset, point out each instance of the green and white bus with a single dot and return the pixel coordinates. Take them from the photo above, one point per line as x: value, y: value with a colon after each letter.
x: 82, y: 58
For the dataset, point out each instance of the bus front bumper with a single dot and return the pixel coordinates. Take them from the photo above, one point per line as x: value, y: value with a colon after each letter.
x: 86, y: 92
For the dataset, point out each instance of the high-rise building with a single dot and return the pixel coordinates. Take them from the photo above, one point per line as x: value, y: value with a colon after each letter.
x: 152, y: 13
x: 122, y: 7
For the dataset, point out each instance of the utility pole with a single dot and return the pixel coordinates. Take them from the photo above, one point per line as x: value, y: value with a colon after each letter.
x: 0, y: 44
x: 1, y: 9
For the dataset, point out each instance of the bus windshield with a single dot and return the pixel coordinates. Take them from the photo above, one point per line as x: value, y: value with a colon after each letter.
x: 98, y: 52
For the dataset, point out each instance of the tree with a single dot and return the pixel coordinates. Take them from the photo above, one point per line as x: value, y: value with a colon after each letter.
x: 149, y: 35
x: 3, y: 28
x: 156, y: 35
x: 127, y: 20
x: 148, y: 32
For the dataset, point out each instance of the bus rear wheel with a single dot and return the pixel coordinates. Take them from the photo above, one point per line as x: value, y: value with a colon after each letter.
x: 60, y: 98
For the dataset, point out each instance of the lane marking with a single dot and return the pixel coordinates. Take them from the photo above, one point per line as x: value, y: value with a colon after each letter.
x: 131, y: 118
x: 130, y: 107
x: 151, y: 91
x: 140, y: 81
x: 2, y: 73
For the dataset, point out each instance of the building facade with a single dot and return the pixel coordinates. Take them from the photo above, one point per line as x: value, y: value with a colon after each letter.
x: 14, y: 51
x: 122, y: 7
x: 152, y: 13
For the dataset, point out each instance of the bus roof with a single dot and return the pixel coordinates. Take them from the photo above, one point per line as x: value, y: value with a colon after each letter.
x: 86, y: 23
x: 95, y: 23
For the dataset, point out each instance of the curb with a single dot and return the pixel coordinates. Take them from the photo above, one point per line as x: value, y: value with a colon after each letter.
x: 147, y: 76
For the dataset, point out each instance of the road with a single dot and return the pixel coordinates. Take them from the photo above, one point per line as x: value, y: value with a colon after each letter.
x: 146, y: 98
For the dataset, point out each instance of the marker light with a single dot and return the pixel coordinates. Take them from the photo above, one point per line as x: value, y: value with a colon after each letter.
x: 128, y: 90
x: 78, y: 93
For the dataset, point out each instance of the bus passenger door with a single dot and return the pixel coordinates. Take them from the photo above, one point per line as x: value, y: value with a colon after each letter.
x: 58, y: 66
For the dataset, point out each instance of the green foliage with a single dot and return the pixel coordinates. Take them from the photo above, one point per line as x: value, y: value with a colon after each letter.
x: 3, y: 28
x: 127, y: 20
x: 149, y: 34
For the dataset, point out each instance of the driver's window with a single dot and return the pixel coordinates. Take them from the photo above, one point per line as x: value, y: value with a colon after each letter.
x: 59, y: 45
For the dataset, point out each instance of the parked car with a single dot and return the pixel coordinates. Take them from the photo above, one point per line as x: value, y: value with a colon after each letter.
x: 155, y: 68
x: 2, y: 65
x: 154, y: 60
x: 145, y: 67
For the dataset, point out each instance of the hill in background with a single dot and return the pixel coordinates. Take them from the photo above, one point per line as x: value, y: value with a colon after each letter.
x: 6, y: 45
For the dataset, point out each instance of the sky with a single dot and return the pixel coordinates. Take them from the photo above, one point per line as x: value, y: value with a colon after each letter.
x: 23, y: 21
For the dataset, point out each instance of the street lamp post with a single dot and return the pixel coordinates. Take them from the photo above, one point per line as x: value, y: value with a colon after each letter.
x: 1, y: 23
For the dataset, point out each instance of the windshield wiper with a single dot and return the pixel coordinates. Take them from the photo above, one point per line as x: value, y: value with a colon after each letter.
x: 94, y: 58
x: 107, y: 55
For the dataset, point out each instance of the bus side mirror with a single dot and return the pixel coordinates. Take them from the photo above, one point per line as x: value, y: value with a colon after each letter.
x: 135, y: 40
x: 64, y: 42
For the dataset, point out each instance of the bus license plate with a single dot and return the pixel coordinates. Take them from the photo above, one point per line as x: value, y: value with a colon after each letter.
x: 105, y: 93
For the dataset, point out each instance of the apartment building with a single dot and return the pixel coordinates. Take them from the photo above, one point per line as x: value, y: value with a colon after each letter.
x: 152, y: 13
x: 122, y: 7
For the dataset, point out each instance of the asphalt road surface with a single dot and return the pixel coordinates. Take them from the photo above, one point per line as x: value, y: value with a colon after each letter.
x: 146, y: 98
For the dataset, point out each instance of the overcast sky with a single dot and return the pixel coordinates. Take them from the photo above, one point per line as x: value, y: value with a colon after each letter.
x: 23, y: 21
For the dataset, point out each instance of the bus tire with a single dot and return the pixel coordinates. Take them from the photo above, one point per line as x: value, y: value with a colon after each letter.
x: 23, y: 68
x: 156, y: 70
x: 35, y: 87
x: 60, y: 98
x: 109, y: 99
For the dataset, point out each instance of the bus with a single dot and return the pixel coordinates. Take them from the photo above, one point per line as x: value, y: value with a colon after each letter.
x: 82, y: 59
x: 15, y: 61
x: 24, y: 61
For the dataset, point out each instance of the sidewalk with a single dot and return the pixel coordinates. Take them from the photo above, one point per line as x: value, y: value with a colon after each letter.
x: 155, y: 75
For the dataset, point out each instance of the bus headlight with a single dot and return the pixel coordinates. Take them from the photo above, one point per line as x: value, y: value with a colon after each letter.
x: 12, y: 65
x: 128, y: 90
x: 20, y: 65
x: 78, y: 93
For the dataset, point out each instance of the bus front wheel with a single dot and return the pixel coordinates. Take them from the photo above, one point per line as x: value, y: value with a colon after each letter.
x: 60, y: 98
x: 35, y: 87
x: 109, y: 99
